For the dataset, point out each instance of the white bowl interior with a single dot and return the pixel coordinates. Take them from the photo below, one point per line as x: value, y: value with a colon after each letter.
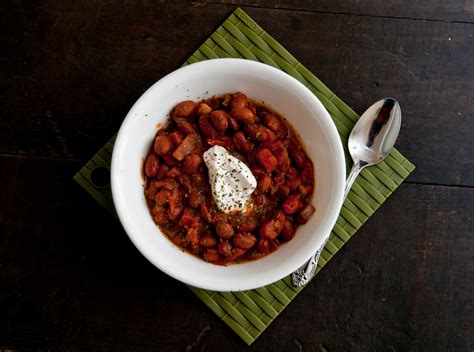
x: 202, y: 80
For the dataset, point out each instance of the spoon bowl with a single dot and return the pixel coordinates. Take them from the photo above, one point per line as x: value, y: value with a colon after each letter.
x: 376, y: 132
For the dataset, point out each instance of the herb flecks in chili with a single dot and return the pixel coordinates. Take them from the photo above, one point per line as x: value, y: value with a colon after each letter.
x: 178, y: 189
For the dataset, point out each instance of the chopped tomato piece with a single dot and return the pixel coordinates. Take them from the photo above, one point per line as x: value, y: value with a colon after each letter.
x: 208, y: 240
x: 225, y: 248
x: 267, y: 160
x: 244, y: 240
x: 292, y: 204
x: 189, y: 218
x: 193, y: 235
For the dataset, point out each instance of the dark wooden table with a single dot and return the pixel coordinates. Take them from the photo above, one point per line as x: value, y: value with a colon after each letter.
x: 70, y: 70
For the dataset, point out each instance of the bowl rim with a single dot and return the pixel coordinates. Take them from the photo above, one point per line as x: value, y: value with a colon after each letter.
x: 330, y: 129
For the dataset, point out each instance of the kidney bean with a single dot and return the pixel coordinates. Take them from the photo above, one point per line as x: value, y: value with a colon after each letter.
x: 198, y: 178
x: 161, y: 217
x: 267, y: 135
x: 192, y: 162
x: 189, y: 218
x: 185, y: 182
x: 161, y: 197
x: 269, y: 230
x: 239, y: 101
x: 196, y: 197
x: 271, y: 122
x: 162, y: 171
x: 297, y: 155
x: 305, y: 214
x: 249, y: 224
x: 260, y: 200
x: 150, y: 192
x: 236, y: 253
x: 307, y: 174
x: 251, y: 130
x: 187, y: 128
x: 166, y: 184
x: 162, y: 145
x: 233, y: 125
x: 293, y: 184
x: 224, y: 230
x: 274, y: 245
x: 208, y: 240
x: 279, y: 220
x: 151, y: 165
x: 291, y: 172
x: 292, y: 204
x: 229, y: 143
x: 225, y: 248
x: 283, y: 191
x: 176, y: 138
x: 288, y: 231
x: 258, y: 172
x: 242, y: 143
x: 172, y: 173
x: 243, y: 114
x: 272, y: 228
x: 281, y: 154
x: 219, y: 120
x: 244, y: 240
x: 263, y: 245
x: 309, y: 189
x: 178, y: 240
x: 276, y: 125
x: 206, y: 213
x: 259, y: 133
x: 262, y: 111
x: 212, y: 255
x: 267, y: 160
x: 226, y: 101
x: 206, y: 127
x: 193, y: 235
x: 169, y: 160
x: 185, y: 108
x: 302, y: 190
x: 175, y: 204
x: 225, y: 142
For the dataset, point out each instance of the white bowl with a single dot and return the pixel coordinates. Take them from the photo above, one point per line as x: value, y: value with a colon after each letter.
x: 205, y: 79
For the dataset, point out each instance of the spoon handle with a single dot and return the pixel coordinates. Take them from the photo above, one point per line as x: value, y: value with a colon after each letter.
x: 306, y: 272
x: 356, y: 169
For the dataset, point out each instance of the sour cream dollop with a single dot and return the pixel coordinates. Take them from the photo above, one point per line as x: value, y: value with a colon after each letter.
x: 232, y: 182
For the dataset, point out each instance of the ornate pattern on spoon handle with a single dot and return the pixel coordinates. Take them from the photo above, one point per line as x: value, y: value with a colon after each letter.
x: 301, y: 276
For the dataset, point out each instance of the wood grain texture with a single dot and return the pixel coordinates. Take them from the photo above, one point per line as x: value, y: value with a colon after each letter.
x: 426, y: 66
x: 403, y: 282
x: 67, y: 90
x: 439, y: 10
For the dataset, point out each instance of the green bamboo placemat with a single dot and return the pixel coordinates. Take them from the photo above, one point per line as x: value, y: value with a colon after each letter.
x: 249, y: 313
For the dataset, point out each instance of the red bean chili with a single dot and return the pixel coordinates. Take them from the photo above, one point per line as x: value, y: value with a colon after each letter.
x: 177, y: 186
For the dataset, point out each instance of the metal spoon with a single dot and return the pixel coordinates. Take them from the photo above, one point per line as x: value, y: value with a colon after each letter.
x: 371, y: 140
